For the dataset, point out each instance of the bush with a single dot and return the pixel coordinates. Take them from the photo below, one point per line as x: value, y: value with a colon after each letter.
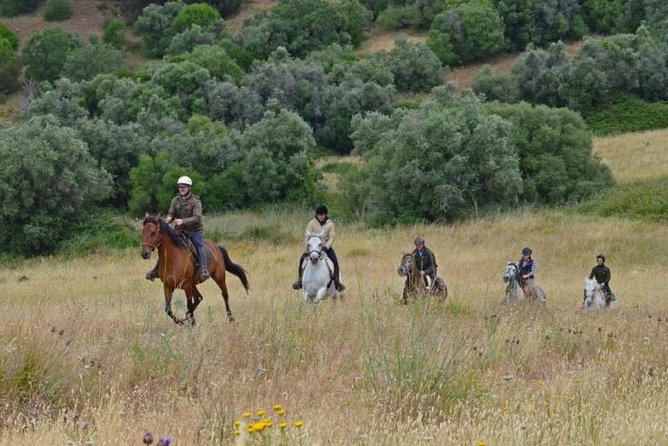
x: 198, y: 14
x: 155, y: 26
x: 215, y: 59
x: 398, y: 17
x: 48, y: 182
x: 99, y: 229
x: 495, y: 86
x: 439, y: 162
x: 414, y: 66
x: 11, y: 8
x: 628, y: 113
x: 642, y: 200
x: 8, y: 35
x: 46, y: 53
x: 10, y: 68
x: 86, y: 62
x: 114, y: 34
x: 555, y: 152
x: 57, y: 10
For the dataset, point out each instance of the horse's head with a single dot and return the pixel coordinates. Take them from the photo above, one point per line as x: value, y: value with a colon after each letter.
x: 407, y: 265
x: 315, y: 242
x: 511, y: 272
x: 151, y: 236
x: 590, y: 288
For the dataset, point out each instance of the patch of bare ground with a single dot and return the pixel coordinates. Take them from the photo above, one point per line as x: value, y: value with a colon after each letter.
x: 502, y: 64
x: 383, y: 40
x: 88, y: 16
x: 247, y: 11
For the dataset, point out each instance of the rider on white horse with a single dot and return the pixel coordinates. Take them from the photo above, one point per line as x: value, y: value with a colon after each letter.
x: 527, y: 272
x: 602, y: 275
x: 321, y: 224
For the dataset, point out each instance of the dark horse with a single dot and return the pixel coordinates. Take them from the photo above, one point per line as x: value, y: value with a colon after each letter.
x: 415, y: 284
x: 177, y: 268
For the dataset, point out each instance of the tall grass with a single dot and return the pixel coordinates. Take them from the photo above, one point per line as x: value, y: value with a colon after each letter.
x: 88, y: 355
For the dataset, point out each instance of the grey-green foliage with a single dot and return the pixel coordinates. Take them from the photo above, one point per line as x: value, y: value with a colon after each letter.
x: 186, y: 81
x: 542, y: 76
x: 415, y: 67
x: 46, y: 53
x: 48, y: 181
x: 215, y: 59
x: 438, y: 162
x: 57, y: 10
x: 92, y: 59
x: 275, y: 154
x: 303, y: 26
x: 471, y: 31
x: 60, y: 101
x: 555, y: 151
x: 194, y: 36
x: 495, y: 86
x: 154, y: 25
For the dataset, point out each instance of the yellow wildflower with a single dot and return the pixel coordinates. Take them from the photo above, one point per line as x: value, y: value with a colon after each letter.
x: 237, y: 432
x: 260, y: 412
x: 280, y: 413
x: 278, y: 407
x: 283, y: 425
x: 237, y: 423
x: 300, y: 423
x: 246, y: 414
x: 482, y: 443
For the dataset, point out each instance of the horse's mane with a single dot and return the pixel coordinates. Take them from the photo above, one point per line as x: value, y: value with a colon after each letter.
x: 165, y: 228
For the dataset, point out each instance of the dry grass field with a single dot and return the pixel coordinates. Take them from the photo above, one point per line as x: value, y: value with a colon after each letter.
x: 88, y: 355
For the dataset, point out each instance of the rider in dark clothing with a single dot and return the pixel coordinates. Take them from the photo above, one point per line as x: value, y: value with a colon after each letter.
x: 602, y: 275
x: 425, y: 261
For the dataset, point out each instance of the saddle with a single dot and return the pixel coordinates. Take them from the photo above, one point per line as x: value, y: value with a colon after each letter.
x: 192, y: 250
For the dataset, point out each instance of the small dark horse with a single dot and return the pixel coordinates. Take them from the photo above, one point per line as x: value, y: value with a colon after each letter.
x: 177, y: 268
x: 415, y: 283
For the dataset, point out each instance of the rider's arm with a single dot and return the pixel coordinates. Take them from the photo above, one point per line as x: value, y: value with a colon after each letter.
x: 171, y: 211
x: 607, y: 276
x: 591, y: 274
x: 197, y: 215
x: 331, y: 235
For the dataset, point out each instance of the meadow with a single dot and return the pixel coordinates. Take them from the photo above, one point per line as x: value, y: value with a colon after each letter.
x: 89, y: 356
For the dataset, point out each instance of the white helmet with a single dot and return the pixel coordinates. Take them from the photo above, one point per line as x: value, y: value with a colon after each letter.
x: 185, y: 180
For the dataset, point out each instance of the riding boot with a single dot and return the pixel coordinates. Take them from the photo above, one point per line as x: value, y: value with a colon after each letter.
x: 203, y: 271
x: 338, y: 285
x: 298, y: 284
x: 153, y: 274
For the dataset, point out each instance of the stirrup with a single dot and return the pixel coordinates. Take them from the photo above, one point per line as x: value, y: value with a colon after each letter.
x: 297, y: 285
x: 151, y: 275
x: 204, y: 274
x: 340, y: 287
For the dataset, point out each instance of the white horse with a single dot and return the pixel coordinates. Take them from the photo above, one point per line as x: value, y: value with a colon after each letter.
x: 594, y: 295
x: 514, y: 291
x: 317, y: 280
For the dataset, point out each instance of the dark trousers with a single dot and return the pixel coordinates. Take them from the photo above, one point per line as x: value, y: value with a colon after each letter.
x: 332, y: 256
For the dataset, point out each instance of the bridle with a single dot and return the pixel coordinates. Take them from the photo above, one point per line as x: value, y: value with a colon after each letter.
x: 159, y: 241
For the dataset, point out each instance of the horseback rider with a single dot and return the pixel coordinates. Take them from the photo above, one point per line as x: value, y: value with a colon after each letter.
x: 186, y: 212
x: 602, y: 275
x: 526, y: 272
x: 425, y: 261
x: 321, y: 224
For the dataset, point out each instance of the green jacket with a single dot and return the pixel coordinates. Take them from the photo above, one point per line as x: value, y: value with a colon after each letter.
x: 601, y: 273
x: 188, y: 209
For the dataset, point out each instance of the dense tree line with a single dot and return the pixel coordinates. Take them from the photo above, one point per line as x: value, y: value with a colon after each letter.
x: 245, y: 114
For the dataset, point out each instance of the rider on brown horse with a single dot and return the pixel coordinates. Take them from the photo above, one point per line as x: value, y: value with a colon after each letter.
x: 425, y: 260
x: 186, y: 213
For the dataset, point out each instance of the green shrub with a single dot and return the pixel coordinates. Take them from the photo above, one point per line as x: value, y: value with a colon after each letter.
x: 90, y: 60
x: 197, y: 14
x: 10, y: 68
x: 114, y: 34
x: 57, y: 10
x: 100, y: 229
x: 11, y: 8
x: 155, y: 26
x: 7, y: 34
x: 628, y: 113
x: 643, y: 200
x: 398, y: 17
x: 48, y: 181
x: 46, y: 53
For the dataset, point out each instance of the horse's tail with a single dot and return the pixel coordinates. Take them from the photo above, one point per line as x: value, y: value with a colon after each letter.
x: 234, y: 268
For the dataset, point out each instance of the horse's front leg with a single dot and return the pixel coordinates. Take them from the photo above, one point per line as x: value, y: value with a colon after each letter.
x: 405, y: 293
x: 168, y: 304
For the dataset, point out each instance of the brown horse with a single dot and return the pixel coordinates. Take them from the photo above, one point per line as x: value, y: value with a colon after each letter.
x: 177, y: 268
x: 415, y: 284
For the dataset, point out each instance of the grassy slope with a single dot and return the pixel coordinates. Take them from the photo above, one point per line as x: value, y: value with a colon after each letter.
x: 367, y: 370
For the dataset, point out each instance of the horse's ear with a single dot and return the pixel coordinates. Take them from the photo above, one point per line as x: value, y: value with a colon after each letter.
x: 157, y: 217
x: 147, y: 215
